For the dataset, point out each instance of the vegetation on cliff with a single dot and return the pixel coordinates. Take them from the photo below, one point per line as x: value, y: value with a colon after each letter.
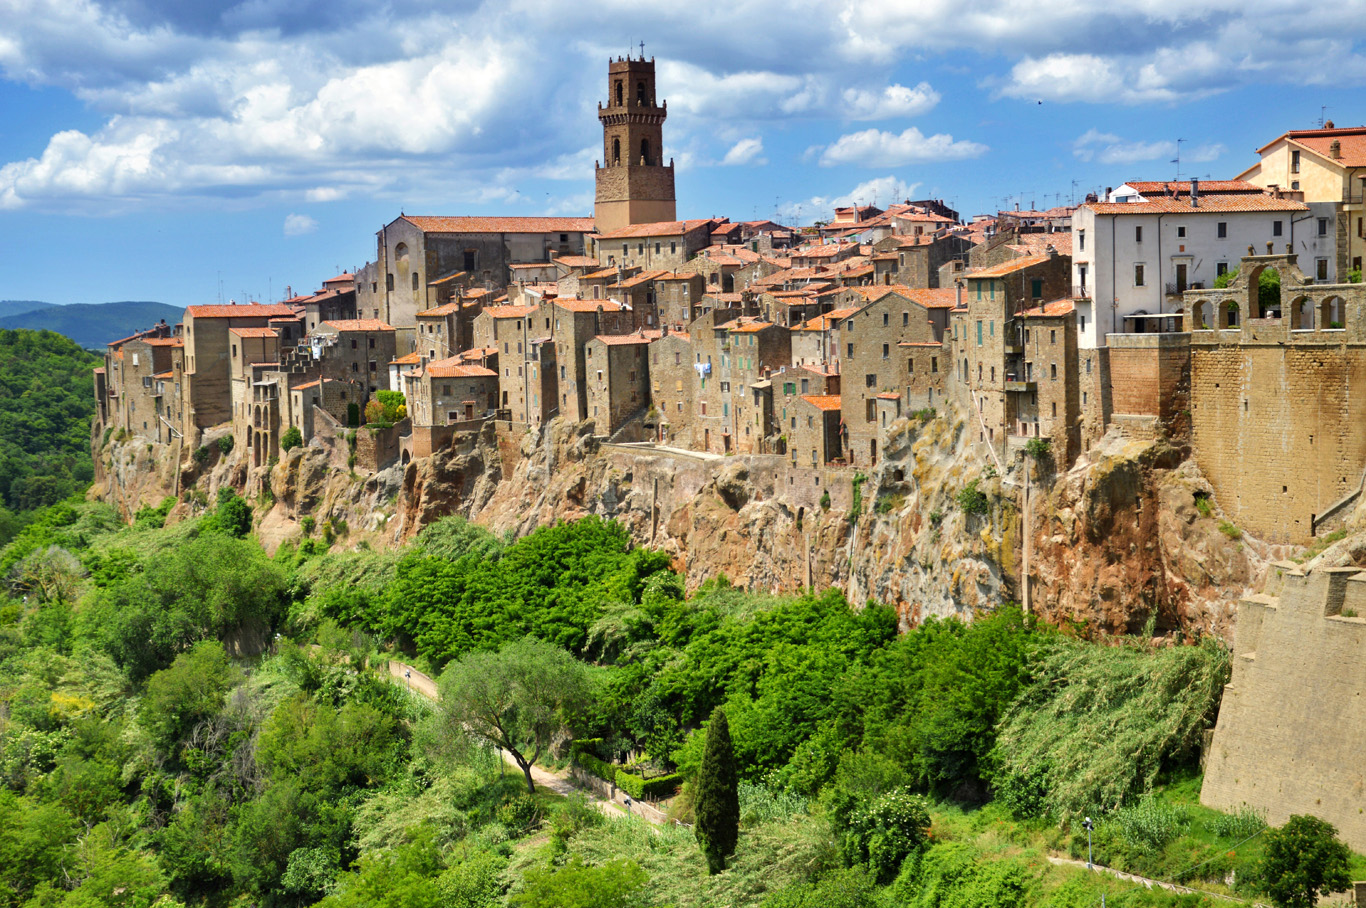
x: 47, y: 400
x: 144, y: 759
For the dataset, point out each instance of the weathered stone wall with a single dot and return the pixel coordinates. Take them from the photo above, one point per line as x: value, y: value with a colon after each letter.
x: 1292, y: 720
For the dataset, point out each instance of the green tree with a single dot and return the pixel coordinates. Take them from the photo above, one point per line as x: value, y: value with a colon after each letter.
x: 616, y: 884
x: 1303, y: 860
x: 518, y: 699
x: 191, y: 690
x: 718, y: 800
x: 233, y: 514
x: 292, y: 438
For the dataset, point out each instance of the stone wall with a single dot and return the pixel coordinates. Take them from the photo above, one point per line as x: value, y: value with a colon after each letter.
x: 1292, y: 720
x: 1150, y: 377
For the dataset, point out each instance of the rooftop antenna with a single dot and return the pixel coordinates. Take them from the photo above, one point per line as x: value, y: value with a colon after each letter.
x: 1323, y: 115
x: 1073, y: 200
x: 1177, y: 160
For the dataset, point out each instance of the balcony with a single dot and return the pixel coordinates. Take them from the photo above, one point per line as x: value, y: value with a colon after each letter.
x: 1175, y: 289
x: 1020, y: 386
x: 1081, y: 291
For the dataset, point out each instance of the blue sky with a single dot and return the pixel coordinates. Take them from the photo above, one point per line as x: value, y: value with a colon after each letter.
x: 172, y: 151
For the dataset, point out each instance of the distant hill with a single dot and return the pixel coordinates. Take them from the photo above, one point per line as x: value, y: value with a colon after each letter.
x: 92, y: 325
x: 14, y: 307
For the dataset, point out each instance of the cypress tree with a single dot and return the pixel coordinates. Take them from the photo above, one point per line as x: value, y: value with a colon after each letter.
x: 718, y: 799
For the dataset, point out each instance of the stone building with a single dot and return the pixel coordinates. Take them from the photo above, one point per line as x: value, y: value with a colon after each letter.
x: 1278, y: 398
x: 357, y: 351
x: 207, y: 388
x: 252, y: 349
x: 1047, y: 394
x: 873, y: 362
x: 815, y: 434
x: 916, y: 259
x: 673, y: 385
x: 618, y: 374
x: 816, y: 342
x: 502, y: 327
x: 438, y: 331
x: 569, y: 324
x: 633, y: 184
x: 412, y: 251
x: 663, y: 245
x: 676, y: 293
x: 149, y: 398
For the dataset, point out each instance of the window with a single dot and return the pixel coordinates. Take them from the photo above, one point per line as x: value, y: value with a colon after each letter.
x: 1088, y: 365
x: 979, y: 332
x: 446, y: 390
x: 1138, y: 233
x: 1323, y: 226
x: 1181, y: 232
x: 806, y: 384
x: 1223, y: 230
x: 1081, y: 240
x: 870, y: 381
x: 884, y: 319
x: 416, y: 278
x: 1052, y: 336
x: 1320, y: 269
x: 910, y: 366
x: 886, y: 349
x: 905, y: 319
x: 934, y: 364
x: 1138, y: 275
x: 1294, y: 162
x: 851, y: 351
x: 1220, y: 268
x: 372, y: 343
x: 656, y: 248
x: 1053, y: 370
x: 388, y: 282
x: 1277, y: 227
x: 1036, y: 289
x: 353, y: 343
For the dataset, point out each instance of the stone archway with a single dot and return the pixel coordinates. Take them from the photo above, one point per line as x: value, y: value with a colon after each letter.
x: 1301, y: 314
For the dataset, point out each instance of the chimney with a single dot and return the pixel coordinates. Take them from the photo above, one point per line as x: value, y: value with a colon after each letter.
x: 958, y: 294
x: 1109, y: 190
x: 663, y: 330
x: 1195, y: 192
x: 1335, y: 150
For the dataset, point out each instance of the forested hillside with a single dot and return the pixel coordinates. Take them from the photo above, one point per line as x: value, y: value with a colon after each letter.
x: 92, y: 325
x: 47, y: 400
x: 146, y: 758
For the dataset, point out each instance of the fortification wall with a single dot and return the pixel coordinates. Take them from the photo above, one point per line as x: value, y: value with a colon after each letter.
x: 1292, y: 721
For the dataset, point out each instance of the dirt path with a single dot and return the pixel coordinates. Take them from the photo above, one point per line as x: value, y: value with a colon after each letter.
x: 1146, y: 881
x: 559, y: 782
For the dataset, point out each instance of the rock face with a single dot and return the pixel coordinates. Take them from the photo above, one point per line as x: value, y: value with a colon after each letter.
x: 1117, y: 541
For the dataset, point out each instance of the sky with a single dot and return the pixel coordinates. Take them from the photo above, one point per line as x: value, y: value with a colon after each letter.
x: 192, y: 152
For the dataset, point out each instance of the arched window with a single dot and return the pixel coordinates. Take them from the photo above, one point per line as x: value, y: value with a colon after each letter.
x: 616, y: 151
x: 640, y: 93
x: 415, y: 280
x: 644, y: 151
x: 401, y: 252
x: 619, y: 93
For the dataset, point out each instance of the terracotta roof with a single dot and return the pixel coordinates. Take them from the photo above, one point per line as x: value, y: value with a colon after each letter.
x: 723, y: 297
x: 1014, y: 265
x: 509, y: 311
x: 823, y: 322
x: 344, y: 276
x: 621, y: 340
x: 1161, y: 187
x: 748, y: 327
x: 823, y: 401
x: 316, y: 382
x: 644, y: 277
x: 573, y: 304
x: 682, y: 335
x: 450, y: 276
x: 1351, y: 144
x: 1208, y: 204
x: 577, y: 261
x: 439, y: 311
x: 1047, y: 310
x: 100, y: 370
x: 1035, y: 243
x: 600, y: 274
x: 251, y: 310
x: 889, y: 395
x: 531, y: 265
x: 163, y: 375
x: 410, y: 359
x: 936, y: 298
x: 174, y: 341
x: 828, y: 250
x: 358, y: 324
x: 452, y: 367
x: 724, y: 259
x: 659, y: 228
x: 463, y: 224
x: 253, y: 332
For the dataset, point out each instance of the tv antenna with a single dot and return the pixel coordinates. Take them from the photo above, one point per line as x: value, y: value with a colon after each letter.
x: 1177, y: 160
x: 1323, y: 115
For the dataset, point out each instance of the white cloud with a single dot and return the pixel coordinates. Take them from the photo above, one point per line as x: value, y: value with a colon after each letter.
x: 882, y: 191
x: 893, y: 101
x: 745, y: 151
x: 299, y: 224
x: 1107, y: 148
x: 876, y: 148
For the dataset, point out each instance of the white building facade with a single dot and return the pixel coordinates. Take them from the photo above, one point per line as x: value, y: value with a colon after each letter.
x: 1134, y: 254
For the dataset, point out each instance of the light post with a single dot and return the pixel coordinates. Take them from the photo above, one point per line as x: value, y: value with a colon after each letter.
x: 1089, y: 826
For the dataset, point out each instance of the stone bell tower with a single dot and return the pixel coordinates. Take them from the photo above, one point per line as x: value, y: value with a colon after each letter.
x: 634, y: 185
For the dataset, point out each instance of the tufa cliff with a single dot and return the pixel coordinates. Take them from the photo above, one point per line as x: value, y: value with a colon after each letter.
x: 1130, y: 534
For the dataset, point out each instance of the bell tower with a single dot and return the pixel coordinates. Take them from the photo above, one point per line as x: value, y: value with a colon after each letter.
x: 634, y: 185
